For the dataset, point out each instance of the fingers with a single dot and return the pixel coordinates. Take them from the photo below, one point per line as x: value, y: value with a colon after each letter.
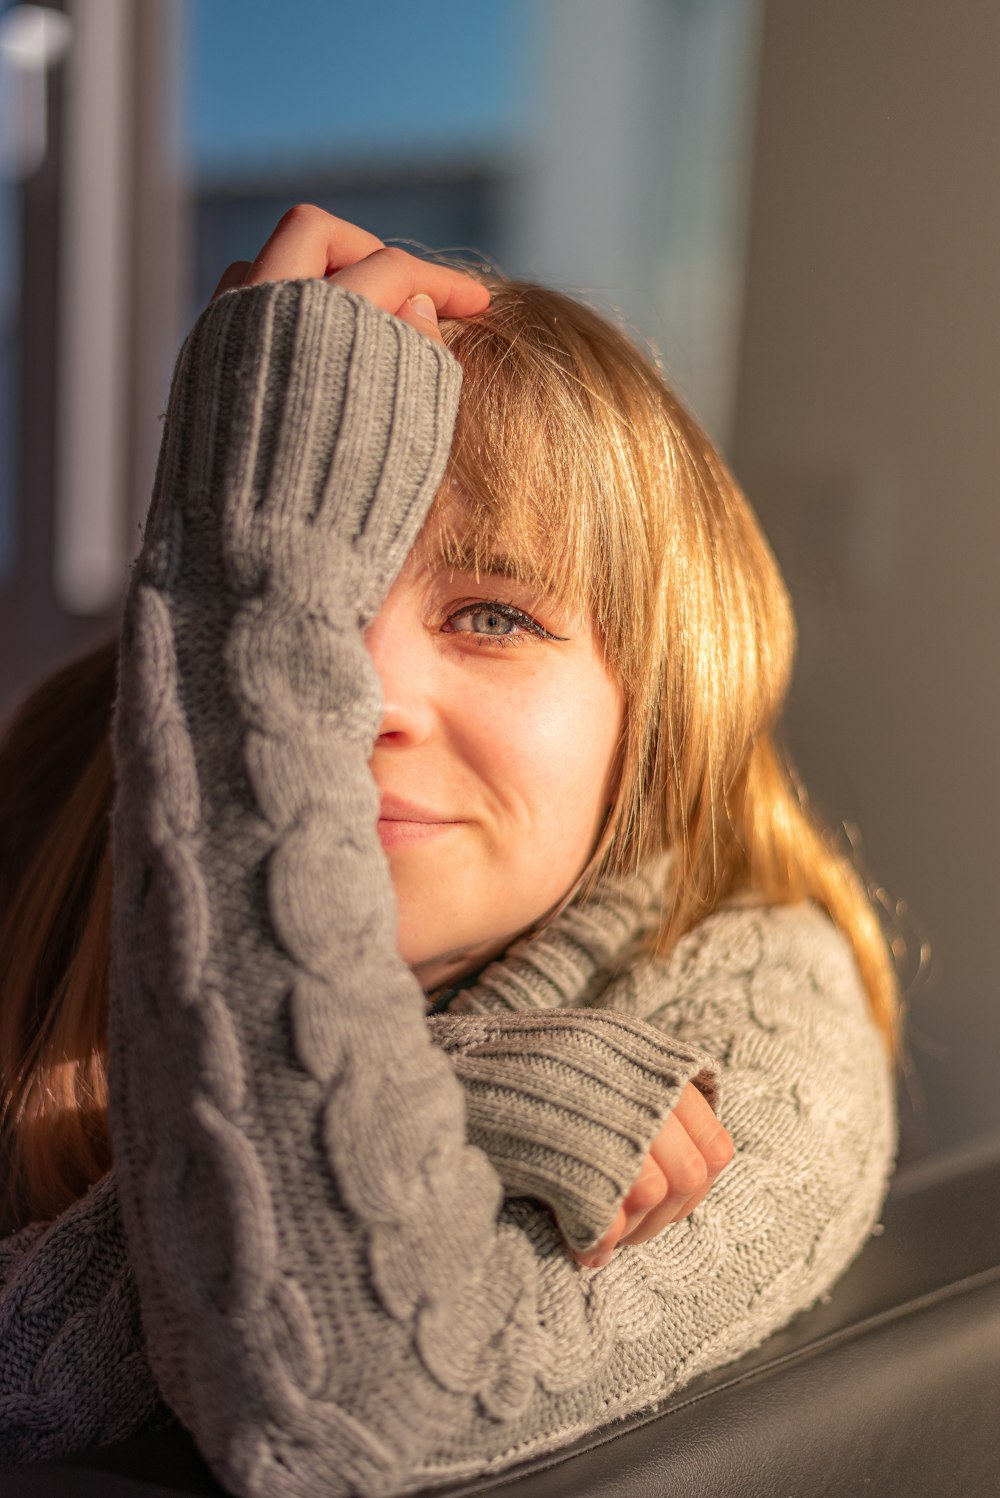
x: 421, y: 313
x: 670, y: 1175
x: 390, y: 277
x: 683, y: 1175
x: 232, y: 278
x: 308, y: 243
x: 707, y: 1134
x: 684, y: 1162
x: 600, y: 1254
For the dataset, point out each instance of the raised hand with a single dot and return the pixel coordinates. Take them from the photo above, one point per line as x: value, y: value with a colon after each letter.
x: 308, y: 243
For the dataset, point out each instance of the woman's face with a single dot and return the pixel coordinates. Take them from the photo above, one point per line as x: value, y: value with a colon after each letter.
x: 495, y: 758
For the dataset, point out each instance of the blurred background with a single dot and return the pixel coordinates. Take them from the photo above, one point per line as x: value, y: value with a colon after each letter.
x: 798, y: 204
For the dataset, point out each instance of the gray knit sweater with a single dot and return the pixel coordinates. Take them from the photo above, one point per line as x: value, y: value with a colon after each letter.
x: 344, y: 1222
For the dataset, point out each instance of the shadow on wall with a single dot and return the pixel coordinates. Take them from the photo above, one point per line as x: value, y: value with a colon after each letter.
x: 866, y: 434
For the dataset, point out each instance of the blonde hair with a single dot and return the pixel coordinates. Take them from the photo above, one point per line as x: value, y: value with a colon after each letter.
x: 573, y: 455
x: 573, y: 458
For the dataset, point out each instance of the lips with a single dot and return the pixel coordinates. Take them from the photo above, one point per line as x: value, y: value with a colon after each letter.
x: 402, y: 823
x: 395, y: 809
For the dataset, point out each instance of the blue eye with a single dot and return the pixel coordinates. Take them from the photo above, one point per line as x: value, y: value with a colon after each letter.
x: 485, y: 622
x: 490, y: 622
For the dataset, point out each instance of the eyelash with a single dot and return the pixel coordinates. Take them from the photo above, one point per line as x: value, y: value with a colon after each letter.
x: 527, y: 624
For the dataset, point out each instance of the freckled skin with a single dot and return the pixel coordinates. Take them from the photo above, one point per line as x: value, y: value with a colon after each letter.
x: 508, y: 736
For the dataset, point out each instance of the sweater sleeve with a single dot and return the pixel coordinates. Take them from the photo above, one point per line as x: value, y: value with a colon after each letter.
x: 799, y: 1074
x: 333, y: 1295
x: 73, y: 1369
x: 565, y: 1103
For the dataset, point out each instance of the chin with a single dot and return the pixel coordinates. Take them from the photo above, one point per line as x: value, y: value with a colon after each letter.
x: 447, y: 960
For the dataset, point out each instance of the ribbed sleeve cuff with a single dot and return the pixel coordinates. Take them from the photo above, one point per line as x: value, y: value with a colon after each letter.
x: 278, y: 421
x: 566, y: 1103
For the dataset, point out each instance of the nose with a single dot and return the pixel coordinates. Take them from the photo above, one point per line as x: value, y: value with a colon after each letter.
x: 399, y: 646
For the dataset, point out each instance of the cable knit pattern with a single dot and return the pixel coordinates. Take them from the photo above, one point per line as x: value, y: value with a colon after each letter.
x: 73, y: 1370
x: 335, y: 1294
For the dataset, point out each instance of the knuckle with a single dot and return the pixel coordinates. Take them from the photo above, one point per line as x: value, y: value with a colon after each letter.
x: 301, y: 213
x: 719, y: 1150
x: 689, y: 1176
x: 647, y: 1192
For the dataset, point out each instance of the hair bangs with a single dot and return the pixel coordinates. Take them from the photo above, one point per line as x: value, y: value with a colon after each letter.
x: 544, y: 468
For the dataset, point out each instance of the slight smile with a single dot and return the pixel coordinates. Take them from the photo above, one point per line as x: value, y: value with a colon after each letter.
x: 402, y: 822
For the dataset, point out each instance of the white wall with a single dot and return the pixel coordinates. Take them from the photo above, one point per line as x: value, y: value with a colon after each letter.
x: 634, y: 185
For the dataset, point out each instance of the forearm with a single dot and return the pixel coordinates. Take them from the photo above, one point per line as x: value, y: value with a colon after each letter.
x: 286, y: 1136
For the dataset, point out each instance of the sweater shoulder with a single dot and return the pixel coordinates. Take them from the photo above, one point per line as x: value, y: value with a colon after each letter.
x: 797, y: 941
x: 786, y: 972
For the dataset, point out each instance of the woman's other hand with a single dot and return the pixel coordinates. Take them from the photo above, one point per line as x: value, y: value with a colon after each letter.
x: 684, y: 1161
x: 309, y: 243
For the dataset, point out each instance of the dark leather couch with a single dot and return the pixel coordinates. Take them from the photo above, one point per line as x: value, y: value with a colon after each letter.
x: 892, y: 1387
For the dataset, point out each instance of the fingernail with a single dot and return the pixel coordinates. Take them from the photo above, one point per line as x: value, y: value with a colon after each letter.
x: 422, y: 305
x: 603, y: 1259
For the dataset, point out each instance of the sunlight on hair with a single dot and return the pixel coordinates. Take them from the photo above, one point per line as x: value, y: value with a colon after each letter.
x: 576, y: 467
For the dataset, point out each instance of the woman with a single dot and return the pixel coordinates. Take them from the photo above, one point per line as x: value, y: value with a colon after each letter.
x: 459, y: 706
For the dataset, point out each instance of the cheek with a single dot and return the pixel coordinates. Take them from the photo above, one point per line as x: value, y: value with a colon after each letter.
x: 551, y: 748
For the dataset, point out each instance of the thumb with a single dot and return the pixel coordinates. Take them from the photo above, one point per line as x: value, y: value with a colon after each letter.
x: 420, y: 312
